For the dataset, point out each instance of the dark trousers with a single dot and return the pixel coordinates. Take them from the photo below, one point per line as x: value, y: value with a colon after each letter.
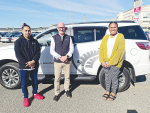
x: 24, y: 81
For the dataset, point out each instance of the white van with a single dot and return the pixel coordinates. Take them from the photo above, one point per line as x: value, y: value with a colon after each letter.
x: 85, y: 62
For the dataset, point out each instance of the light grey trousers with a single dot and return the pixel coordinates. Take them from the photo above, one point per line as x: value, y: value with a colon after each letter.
x: 111, y: 78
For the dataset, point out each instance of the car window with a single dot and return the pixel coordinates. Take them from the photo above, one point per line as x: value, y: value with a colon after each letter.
x: 88, y: 33
x: 100, y: 33
x: 132, y: 32
x: 45, y: 38
x: 83, y: 36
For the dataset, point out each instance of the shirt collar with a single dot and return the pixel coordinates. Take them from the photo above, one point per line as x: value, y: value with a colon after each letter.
x: 62, y: 36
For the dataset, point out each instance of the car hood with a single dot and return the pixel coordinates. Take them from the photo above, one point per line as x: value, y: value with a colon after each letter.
x: 7, y: 47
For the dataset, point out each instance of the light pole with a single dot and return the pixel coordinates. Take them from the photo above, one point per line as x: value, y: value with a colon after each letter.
x: 13, y: 28
x: 70, y: 11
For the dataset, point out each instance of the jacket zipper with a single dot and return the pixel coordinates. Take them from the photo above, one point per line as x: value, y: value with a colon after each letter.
x: 28, y: 43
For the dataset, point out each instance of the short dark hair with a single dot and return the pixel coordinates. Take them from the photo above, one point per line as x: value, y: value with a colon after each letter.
x: 113, y: 22
x: 25, y: 25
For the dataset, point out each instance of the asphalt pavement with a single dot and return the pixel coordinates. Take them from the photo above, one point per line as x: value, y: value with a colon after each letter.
x: 86, y: 98
x: 5, y: 44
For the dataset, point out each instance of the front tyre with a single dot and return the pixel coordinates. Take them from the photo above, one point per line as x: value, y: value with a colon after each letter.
x: 124, y: 80
x: 10, y: 76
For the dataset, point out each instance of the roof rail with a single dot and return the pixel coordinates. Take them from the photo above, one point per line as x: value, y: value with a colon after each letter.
x: 122, y: 21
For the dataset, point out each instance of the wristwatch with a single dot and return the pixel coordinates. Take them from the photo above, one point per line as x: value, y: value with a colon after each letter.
x: 67, y: 56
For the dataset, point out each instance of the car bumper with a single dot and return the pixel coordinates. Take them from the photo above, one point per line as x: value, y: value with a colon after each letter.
x: 142, y: 69
x: 5, y: 40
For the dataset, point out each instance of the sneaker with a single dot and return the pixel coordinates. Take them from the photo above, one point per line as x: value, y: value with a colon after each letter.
x: 26, y: 102
x: 38, y: 96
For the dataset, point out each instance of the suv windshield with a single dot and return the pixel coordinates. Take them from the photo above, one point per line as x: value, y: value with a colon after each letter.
x: 132, y: 32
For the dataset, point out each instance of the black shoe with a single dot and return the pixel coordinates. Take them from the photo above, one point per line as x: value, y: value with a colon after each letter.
x: 68, y: 94
x: 56, y: 98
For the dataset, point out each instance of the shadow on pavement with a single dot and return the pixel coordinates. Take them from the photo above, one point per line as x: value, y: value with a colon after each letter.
x: 31, y: 99
x: 141, y: 78
x: 46, y: 89
x: 132, y: 111
x: 73, y: 85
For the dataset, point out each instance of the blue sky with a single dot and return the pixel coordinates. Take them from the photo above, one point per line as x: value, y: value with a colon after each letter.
x: 43, y: 13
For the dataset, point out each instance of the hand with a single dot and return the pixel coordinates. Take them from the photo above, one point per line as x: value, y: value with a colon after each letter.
x: 30, y: 63
x: 108, y: 65
x: 63, y: 58
x: 33, y: 66
x: 66, y: 61
x: 104, y: 64
x: 60, y: 58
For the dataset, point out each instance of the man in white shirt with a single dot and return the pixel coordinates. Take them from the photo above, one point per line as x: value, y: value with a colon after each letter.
x: 62, y: 49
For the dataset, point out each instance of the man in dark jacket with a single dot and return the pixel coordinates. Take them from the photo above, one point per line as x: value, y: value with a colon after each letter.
x: 27, y: 52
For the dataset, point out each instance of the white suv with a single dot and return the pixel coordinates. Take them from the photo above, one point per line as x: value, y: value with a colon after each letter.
x: 85, y: 62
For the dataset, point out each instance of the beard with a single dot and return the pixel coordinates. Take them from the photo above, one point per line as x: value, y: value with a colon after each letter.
x: 27, y: 35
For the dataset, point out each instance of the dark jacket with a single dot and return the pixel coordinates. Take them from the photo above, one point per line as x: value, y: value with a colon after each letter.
x: 61, y: 47
x: 27, y: 50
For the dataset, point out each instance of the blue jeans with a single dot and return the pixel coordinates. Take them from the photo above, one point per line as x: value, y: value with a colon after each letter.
x: 24, y: 74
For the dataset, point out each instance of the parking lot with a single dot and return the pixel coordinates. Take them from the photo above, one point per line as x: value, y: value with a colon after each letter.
x: 5, y: 44
x: 86, y: 98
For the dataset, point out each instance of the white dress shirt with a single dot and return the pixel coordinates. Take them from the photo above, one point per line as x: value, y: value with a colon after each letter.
x: 55, y: 54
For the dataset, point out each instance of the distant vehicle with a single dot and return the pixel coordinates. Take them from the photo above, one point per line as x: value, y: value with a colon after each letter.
x: 148, y: 36
x: 146, y: 32
x: 0, y: 36
x: 15, y: 33
x: 4, y: 33
x: 34, y: 34
x: 15, y: 37
x: 7, y: 38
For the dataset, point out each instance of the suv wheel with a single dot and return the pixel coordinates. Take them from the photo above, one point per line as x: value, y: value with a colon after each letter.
x: 9, y: 76
x: 124, y: 79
